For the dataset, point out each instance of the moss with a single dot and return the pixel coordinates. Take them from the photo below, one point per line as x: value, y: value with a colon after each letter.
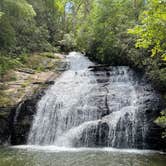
x: 3, y: 86
x: 23, y: 58
x: 38, y: 62
x: 20, y: 92
x: 9, y: 76
x: 5, y: 100
x: 25, y: 84
x: 40, y: 68
x: 48, y: 55
x: 4, y: 113
x: 161, y: 121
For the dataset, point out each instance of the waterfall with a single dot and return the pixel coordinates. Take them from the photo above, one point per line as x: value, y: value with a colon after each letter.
x: 94, y: 107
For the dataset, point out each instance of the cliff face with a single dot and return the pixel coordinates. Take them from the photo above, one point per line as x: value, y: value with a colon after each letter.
x: 20, y: 96
x: 16, y: 120
x: 5, y: 131
x: 22, y: 117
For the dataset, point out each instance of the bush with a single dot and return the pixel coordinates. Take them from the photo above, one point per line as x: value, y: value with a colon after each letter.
x: 161, y: 121
x: 7, y: 35
x: 7, y: 63
x: 68, y: 43
x: 48, y: 55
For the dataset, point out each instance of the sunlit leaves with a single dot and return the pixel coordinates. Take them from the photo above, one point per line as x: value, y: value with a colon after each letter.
x: 60, y: 5
x: 19, y: 8
x: 1, y: 13
x: 161, y: 121
x: 151, y: 33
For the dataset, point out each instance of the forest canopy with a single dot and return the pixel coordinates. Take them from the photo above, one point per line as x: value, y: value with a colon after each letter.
x: 99, y: 27
x: 125, y: 32
x: 117, y: 32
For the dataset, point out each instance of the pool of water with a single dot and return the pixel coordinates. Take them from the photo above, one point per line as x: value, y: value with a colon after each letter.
x: 52, y: 156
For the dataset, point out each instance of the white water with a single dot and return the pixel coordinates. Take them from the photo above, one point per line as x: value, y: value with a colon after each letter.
x: 90, y: 109
x: 55, y: 113
x: 56, y: 149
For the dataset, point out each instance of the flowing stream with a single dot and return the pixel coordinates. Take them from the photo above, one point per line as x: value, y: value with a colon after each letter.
x: 90, y: 106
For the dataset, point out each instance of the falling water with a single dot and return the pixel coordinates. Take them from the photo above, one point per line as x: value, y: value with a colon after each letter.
x: 94, y: 107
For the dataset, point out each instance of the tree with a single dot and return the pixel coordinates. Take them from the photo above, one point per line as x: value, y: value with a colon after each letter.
x: 151, y: 31
x: 105, y: 28
x: 17, y: 8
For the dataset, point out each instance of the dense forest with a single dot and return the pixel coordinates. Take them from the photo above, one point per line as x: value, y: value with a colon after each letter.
x: 114, y: 32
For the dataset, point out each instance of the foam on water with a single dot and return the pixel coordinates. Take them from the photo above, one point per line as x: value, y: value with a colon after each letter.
x: 57, y: 149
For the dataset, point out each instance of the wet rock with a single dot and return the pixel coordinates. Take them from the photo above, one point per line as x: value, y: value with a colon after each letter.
x: 46, y: 83
x: 112, y: 105
x: 50, y: 82
x: 22, y: 119
x: 5, y: 130
x: 94, y: 136
x: 102, y: 134
x: 100, y: 68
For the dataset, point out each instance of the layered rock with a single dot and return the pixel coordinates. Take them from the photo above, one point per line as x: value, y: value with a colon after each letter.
x: 118, y: 109
x: 16, y: 117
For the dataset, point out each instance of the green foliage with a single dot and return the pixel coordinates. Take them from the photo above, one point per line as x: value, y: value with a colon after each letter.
x: 17, y: 8
x: 151, y: 31
x: 105, y: 30
x: 161, y: 121
x: 7, y: 63
x: 40, y: 25
x: 4, y: 100
x: 48, y: 55
x: 7, y: 34
x: 68, y: 43
x: 28, y: 26
x: 1, y: 14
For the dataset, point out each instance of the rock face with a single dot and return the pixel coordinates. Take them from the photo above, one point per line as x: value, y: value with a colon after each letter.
x: 5, y: 131
x: 98, y: 106
x: 22, y: 119
x: 17, y: 121
x: 123, y: 123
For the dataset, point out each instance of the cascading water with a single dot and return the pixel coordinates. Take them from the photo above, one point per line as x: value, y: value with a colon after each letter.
x: 94, y: 107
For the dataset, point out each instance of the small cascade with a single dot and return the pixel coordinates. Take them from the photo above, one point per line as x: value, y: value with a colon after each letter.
x: 101, y: 107
x: 17, y: 112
